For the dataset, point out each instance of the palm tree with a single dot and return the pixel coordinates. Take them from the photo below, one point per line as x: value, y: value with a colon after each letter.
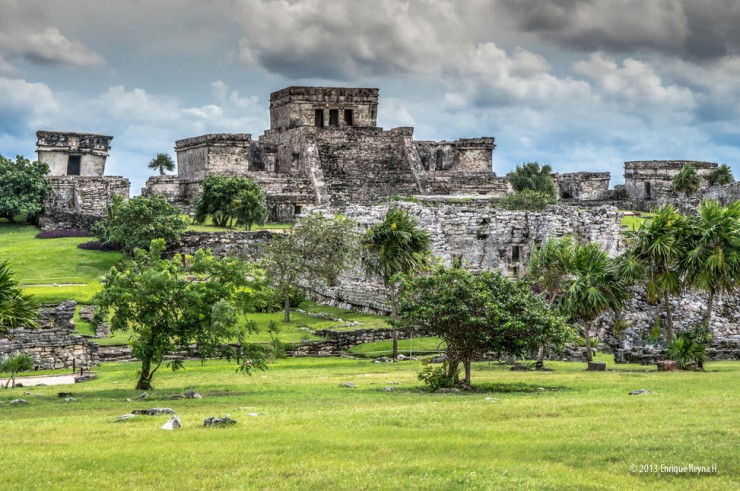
x: 249, y: 208
x: 687, y: 181
x: 395, y: 246
x: 721, y: 175
x: 712, y: 262
x: 162, y: 162
x: 594, y: 287
x: 16, y: 309
x: 15, y: 364
x: 548, y: 269
x: 659, y: 245
x: 534, y: 177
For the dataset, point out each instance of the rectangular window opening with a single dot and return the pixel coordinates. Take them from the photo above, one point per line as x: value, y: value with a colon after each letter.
x: 73, y: 165
x: 334, y: 117
x: 515, y: 252
x: 348, y: 117
x: 319, y: 118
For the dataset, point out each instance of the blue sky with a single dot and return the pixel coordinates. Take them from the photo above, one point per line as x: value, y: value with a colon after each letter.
x: 581, y: 84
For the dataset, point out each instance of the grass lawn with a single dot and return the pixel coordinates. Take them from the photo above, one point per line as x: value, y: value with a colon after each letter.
x: 418, y: 346
x: 633, y: 222
x: 208, y: 226
x: 53, y: 261
x: 583, y: 431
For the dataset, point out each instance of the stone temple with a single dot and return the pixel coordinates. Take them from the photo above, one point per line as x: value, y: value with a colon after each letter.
x: 324, y: 148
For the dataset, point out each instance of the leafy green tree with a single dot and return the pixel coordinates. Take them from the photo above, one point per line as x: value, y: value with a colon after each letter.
x: 249, y: 208
x: 16, y: 309
x: 687, y: 181
x: 594, y: 286
x: 659, y: 245
x: 316, y: 248
x: 548, y: 270
x: 22, y: 188
x: 219, y: 196
x: 534, y: 177
x: 477, y: 314
x: 170, y: 305
x: 15, y: 364
x: 392, y: 247
x: 162, y: 162
x: 136, y: 222
x: 721, y: 176
x: 712, y: 261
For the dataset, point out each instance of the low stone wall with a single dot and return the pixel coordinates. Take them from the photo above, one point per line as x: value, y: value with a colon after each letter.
x: 650, y: 355
x: 80, y: 201
x: 247, y: 244
x: 58, y: 315
x: 339, y: 342
x: 50, y: 348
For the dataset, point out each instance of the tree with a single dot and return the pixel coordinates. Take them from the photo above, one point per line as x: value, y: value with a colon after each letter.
x: 162, y: 162
x: 136, y: 222
x: 249, y: 208
x: 712, y: 260
x: 721, y: 176
x: 527, y: 200
x: 548, y: 269
x: 22, y: 188
x: 170, y: 305
x: 594, y: 287
x: 687, y: 181
x: 16, y: 309
x: 659, y: 245
x: 219, y: 196
x: 477, y: 314
x: 531, y: 176
x: 395, y: 246
x: 15, y: 364
x: 316, y: 248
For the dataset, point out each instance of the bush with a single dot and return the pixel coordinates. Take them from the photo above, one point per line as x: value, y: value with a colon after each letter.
x: 231, y: 199
x: 436, y: 377
x: 96, y: 245
x: 135, y: 223
x: 62, y: 233
x: 685, y: 350
x: 23, y: 188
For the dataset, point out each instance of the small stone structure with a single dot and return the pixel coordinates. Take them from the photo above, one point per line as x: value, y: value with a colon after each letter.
x: 648, y: 183
x: 583, y: 186
x: 54, y: 345
x: 80, y: 193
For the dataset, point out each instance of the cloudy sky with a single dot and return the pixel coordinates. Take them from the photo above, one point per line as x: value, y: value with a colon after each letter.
x: 580, y: 84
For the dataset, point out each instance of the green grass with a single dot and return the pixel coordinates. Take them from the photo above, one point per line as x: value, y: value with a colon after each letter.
x: 633, y: 222
x: 418, y: 346
x: 583, y: 431
x: 53, y: 261
x: 208, y: 226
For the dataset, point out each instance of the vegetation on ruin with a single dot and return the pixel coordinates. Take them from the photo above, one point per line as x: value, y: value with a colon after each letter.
x: 687, y: 180
x: 527, y: 200
x: 53, y: 270
x: 317, y: 249
x: 22, y: 189
x: 721, y: 176
x: 161, y: 163
x: 532, y: 176
x: 582, y: 430
x: 393, y: 247
x: 169, y: 305
x: 135, y: 222
x: 231, y: 200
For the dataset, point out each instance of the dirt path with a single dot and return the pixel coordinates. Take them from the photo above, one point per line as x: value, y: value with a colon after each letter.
x: 45, y: 380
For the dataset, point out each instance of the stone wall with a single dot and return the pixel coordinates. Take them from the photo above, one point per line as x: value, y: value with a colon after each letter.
x: 226, y: 154
x: 293, y: 107
x: 650, y: 183
x: 54, y: 345
x: 339, y: 342
x: 247, y: 245
x: 55, y: 148
x: 482, y: 236
x: 79, y: 201
x: 465, y: 155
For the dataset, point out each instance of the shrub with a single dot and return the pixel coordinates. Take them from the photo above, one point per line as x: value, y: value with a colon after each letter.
x: 229, y: 199
x: 527, y: 200
x: 22, y: 188
x: 685, y: 350
x: 62, y: 233
x: 96, y: 245
x: 15, y: 364
x: 437, y: 377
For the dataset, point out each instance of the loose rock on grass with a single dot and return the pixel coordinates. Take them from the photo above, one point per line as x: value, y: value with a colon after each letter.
x: 640, y: 391
x: 218, y: 422
x: 173, y: 424
x: 155, y: 411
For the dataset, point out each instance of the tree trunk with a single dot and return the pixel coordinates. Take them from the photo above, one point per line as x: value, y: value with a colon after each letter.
x: 587, y: 329
x: 467, y: 362
x: 145, y: 377
x: 668, y: 318
x: 286, y: 307
x: 161, y: 171
x: 540, y: 358
x: 394, y: 317
x: 708, y: 314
